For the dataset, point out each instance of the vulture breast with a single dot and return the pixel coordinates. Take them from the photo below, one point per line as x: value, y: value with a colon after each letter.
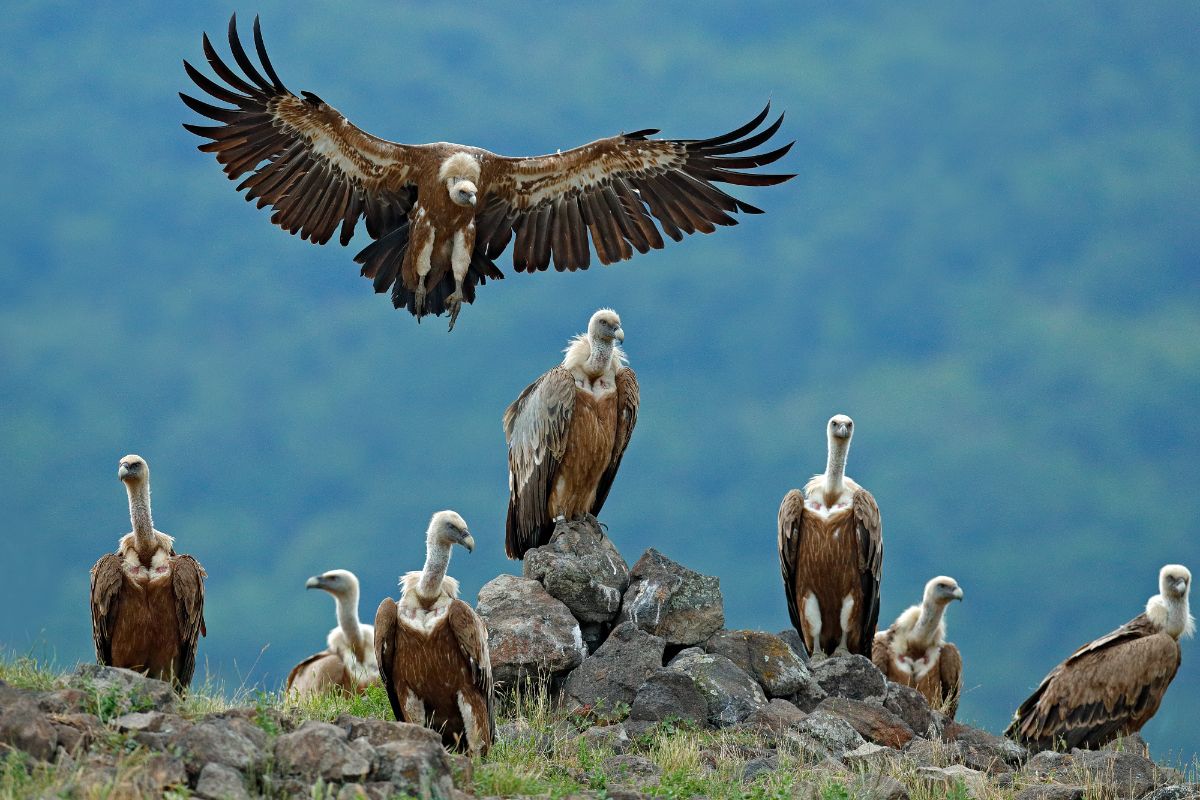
x: 828, y: 568
x: 589, y: 452
x: 432, y: 667
x: 145, y: 634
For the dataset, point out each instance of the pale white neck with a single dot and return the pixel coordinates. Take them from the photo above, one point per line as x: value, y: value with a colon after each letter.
x: 139, y: 512
x: 437, y: 559
x: 1179, y: 618
x: 347, y: 615
x: 929, y: 623
x: 835, y: 467
x: 600, y: 357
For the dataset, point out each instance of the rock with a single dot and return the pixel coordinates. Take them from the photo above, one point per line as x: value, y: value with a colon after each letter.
x: 832, y: 732
x: 133, y: 722
x: 873, y: 722
x: 118, y: 691
x: 531, y: 635
x: 912, y: 707
x: 981, y: 750
x: 1133, y: 743
x: 763, y: 656
x: 630, y: 770
x: 930, y: 752
x: 376, y: 790
x: 380, y: 731
x: 1190, y: 791
x: 731, y: 694
x: 669, y: 600
x: 1052, y: 791
x: 791, y: 637
x: 417, y: 766
x: 851, y: 676
x: 870, y: 757
x: 582, y: 568
x: 1122, y: 774
x: 606, y: 737
x: 613, y: 674
x: 158, y: 773
x: 24, y: 726
x: 521, y: 731
x: 667, y: 694
x: 809, y: 696
x: 759, y: 766
x: 776, y: 718
x: 873, y: 786
x: 319, y: 750
x: 227, y: 742
x: 76, y: 732
x: 219, y: 782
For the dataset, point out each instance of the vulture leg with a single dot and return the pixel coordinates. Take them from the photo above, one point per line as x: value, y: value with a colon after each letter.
x: 454, y: 301
x: 419, y: 300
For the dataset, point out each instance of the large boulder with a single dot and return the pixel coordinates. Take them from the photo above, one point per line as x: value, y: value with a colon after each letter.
x: 231, y: 742
x: 218, y: 782
x: 912, y: 707
x: 531, y: 635
x: 613, y: 674
x: 669, y: 600
x: 24, y: 726
x: 833, y: 733
x: 415, y: 764
x: 852, y: 676
x: 322, y: 750
x: 763, y: 656
x: 118, y: 691
x: 873, y: 722
x: 1115, y: 774
x: 582, y: 568
x: 791, y: 637
x: 730, y: 693
x: 668, y: 694
x: 984, y: 751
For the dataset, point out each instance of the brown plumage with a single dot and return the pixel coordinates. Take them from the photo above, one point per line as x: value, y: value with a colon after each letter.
x: 914, y: 652
x: 831, y: 555
x: 441, y: 213
x: 432, y: 648
x: 567, y: 433
x: 147, y: 602
x: 1112, y: 686
x: 348, y: 661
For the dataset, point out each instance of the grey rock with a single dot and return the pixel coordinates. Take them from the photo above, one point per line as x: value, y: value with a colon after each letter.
x: 122, y: 690
x: 380, y: 731
x: 218, y: 741
x: 531, y: 635
x: 776, y: 717
x: 76, y: 731
x: 24, y: 726
x: 874, y: 786
x: 1046, y: 764
x: 150, y: 721
x: 808, y: 696
x: 320, y: 750
x: 669, y: 600
x: 912, y: 707
x: 870, y: 757
x: 765, y: 657
x: 873, y: 722
x: 630, y: 770
x: 1133, y: 743
x: 582, y: 568
x: 686, y: 652
x: 374, y: 790
x: 1052, y: 791
x: 417, y: 766
x: 219, y: 782
x: 791, y: 638
x: 981, y: 750
x: 852, y: 676
x: 521, y: 731
x: 1190, y: 791
x: 606, y: 737
x: 940, y: 779
x: 667, y: 694
x: 759, y: 766
x: 614, y: 672
x: 731, y: 694
x: 1123, y: 774
x: 930, y: 753
x: 832, y: 732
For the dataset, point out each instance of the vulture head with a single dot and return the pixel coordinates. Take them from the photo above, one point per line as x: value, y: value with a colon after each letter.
x: 460, y: 172
x: 338, y: 582
x: 133, y: 469
x: 447, y: 528
x: 1174, y: 580
x: 605, y: 324
x: 941, y: 590
x: 1169, y: 608
x: 841, y: 428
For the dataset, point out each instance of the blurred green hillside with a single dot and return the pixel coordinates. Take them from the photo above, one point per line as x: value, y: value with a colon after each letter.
x: 989, y: 260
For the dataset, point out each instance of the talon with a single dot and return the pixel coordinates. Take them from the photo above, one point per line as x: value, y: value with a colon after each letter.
x: 454, y: 303
x: 419, y: 299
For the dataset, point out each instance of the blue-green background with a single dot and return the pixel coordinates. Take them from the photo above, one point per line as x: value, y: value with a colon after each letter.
x: 989, y: 260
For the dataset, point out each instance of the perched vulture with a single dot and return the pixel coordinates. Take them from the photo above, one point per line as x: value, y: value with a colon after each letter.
x: 440, y: 214
x: 1111, y: 687
x: 914, y: 650
x: 147, y: 602
x: 831, y: 555
x: 349, y: 659
x: 432, y: 648
x: 566, y: 434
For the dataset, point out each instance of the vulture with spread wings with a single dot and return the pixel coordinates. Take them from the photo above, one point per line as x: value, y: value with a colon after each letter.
x: 440, y: 214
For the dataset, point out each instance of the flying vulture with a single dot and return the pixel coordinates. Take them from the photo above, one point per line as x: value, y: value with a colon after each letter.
x: 348, y: 661
x: 440, y: 214
x: 432, y: 648
x: 566, y: 435
x: 831, y: 555
x: 147, y: 601
x: 914, y: 650
x: 1111, y: 687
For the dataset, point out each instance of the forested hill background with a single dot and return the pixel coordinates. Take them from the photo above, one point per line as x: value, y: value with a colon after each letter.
x: 989, y: 260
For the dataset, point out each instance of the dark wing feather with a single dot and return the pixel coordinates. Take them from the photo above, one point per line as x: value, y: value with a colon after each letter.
x: 187, y: 579
x: 472, y: 636
x: 535, y: 427
x: 868, y: 527
x: 791, y: 515
x: 385, y: 650
x: 1108, y: 687
x: 950, y: 669
x: 628, y: 400
x: 106, y: 582
x: 609, y: 189
x: 304, y: 159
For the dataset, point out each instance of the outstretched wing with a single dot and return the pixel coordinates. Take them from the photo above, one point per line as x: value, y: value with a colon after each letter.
x: 791, y: 515
x: 1108, y: 687
x: 106, y: 583
x: 869, y: 528
x: 627, y: 410
x: 187, y: 579
x: 536, y: 427
x: 613, y: 189
x: 304, y: 159
x: 385, y: 650
x: 472, y: 636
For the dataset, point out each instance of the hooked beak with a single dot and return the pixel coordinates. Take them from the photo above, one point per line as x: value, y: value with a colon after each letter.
x: 958, y: 593
x: 122, y: 472
x: 620, y: 334
x: 1181, y: 586
x: 469, y: 543
x: 842, y: 431
x: 313, y: 583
